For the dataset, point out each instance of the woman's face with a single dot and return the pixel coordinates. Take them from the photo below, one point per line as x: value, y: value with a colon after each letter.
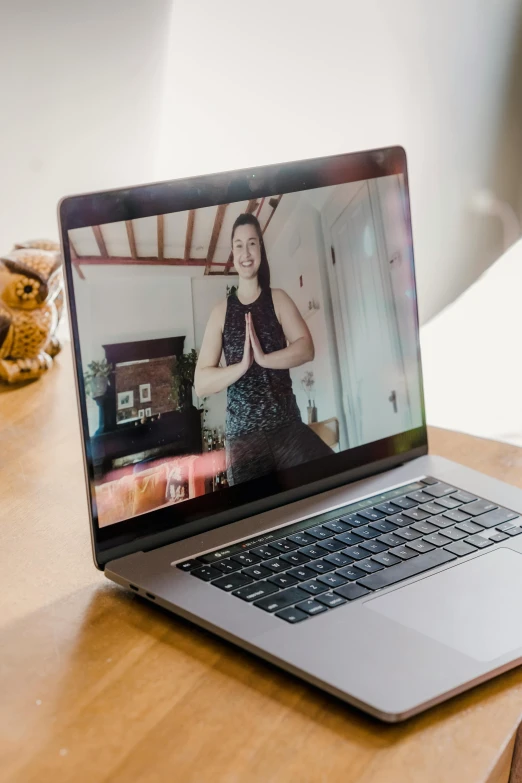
x: 246, y: 251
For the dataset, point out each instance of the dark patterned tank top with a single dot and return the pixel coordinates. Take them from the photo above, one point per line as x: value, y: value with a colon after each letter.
x: 261, y: 399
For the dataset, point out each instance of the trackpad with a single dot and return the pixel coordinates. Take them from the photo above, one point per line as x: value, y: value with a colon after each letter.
x: 474, y: 607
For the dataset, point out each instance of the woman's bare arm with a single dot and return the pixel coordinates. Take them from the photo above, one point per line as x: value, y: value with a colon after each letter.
x: 209, y: 378
x: 300, y: 347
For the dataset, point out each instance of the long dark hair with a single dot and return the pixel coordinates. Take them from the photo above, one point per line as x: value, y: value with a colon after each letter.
x: 246, y: 219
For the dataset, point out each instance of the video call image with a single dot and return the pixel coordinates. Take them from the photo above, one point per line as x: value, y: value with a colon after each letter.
x: 222, y: 344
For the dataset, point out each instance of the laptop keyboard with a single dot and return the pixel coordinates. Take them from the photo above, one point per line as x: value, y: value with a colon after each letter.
x: 306, y: 568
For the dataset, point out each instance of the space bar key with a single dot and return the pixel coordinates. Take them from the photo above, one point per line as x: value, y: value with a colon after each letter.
x: 397, y: 573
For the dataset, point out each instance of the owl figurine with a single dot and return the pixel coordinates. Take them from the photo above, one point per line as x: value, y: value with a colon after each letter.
x: 31, y: 305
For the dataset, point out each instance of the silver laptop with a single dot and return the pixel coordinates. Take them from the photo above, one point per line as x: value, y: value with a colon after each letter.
x: 250, y: 394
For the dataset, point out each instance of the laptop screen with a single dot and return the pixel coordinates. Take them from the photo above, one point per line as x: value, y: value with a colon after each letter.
x: 230, y: 352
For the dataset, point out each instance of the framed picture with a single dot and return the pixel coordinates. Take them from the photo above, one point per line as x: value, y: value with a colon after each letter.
x: 125, y: 400
x: 148, y: 411
x: 141, y: 413
x: 145, y: 392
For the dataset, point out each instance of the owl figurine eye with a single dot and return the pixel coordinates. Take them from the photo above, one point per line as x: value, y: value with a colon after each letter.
x: 23, y: 292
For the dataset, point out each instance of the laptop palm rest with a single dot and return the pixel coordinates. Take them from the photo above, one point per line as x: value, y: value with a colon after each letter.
x: 474, y: 609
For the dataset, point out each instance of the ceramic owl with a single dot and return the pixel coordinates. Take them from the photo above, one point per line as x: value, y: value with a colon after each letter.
x: 31, y: 305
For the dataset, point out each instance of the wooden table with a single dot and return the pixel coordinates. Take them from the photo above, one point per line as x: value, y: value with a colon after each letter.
x: 97, y: 686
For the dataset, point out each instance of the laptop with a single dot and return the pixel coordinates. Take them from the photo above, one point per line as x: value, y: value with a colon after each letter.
x: 249, y: 385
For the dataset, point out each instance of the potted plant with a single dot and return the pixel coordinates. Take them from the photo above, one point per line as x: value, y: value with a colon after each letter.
x: 97, y: 378
x: 308, y: 384
x: 183, y: 379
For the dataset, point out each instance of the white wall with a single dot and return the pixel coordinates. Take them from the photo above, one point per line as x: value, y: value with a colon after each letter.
x: 81, y: 88
x: 296, y: 253
x: 295, y: 79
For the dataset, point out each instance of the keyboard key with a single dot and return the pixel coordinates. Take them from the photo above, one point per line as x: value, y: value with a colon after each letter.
x: 331, y: 599
x: 292, y: 615
x: 369, y: 566
x: 432, y: 508
x: 386, y: 559
x: 439, y: 490
x: 258, y: 590
x: 257, y: 571
x: 479, y: 541
x: 404, y: 502
x: 356, y: 553
x: 437, y: 539
x: 339, y: 559
x: 232, y: 582
x: 448, y: 502
x: 206, y: 573
x: 390, y: 539
x: 301, y: 539
x: 320, y: 566
x: 403, y: 552
x: 282, y: 580
x: 319, y: 532
x: 419, y: 496
x: 429, y: 480
x: 387, y: 508
x: 313, y: 587
x: 354, y: 520
x: 332, y: 580
x: 373, y: 546
x: 416, y: 514
x: 399, y: 520
x: 454, y: 533
x: 505, y: 526
x: 496, y: 517
x: 276, y: 565
x: 424, y: 527
x: 351, y: 573
x: 456, y: 515
x: 383, y: 526
x: 245, y: 559
x: 420, y: 546
x: 336, y: 526
x: 461, y: 548
x: 440, y: 521
x: 188, y: 565
x: 372, y: 514
x: 284, y: 545
x: 514, y: 531
x: 469, y: 527
x: 264, y: 552
x: 311, y: 607
x: 498, y: 537
x: 331, y: 545
x: 349, y: 539
x: 227, y: 566
x: 478, y: 507
x: 408, y: 534
x: 396, y: 573
x: 312, y: 551
x: 351, y: 592
x: 464, y: 497
x: 301, y: 573
x: 282, y: 599
x: 295, y: 558
x: 367, y: 532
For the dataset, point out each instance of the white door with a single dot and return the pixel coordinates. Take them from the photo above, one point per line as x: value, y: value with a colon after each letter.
x: 374, y: 389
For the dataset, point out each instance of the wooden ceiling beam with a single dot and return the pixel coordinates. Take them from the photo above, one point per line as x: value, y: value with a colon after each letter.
x: 131, y: 238
x: 147, y: 261
x: 72, y: 250
x: 102, y: 247
x: 214, y: 237
x: 160, y: 237
x: 274, y: 207
x: 190, y: 231
x: 76, y: 265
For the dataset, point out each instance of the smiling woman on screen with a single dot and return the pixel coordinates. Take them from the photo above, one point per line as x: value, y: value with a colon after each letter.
x: 262, y: 335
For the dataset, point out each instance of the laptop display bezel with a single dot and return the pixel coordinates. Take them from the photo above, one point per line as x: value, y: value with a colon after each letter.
x: 182, y: 520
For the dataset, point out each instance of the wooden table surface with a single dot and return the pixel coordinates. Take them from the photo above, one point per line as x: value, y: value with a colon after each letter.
x: 95, y: 685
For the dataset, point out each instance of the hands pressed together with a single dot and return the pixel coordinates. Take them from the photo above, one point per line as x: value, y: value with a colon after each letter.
x: 252, y: 350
